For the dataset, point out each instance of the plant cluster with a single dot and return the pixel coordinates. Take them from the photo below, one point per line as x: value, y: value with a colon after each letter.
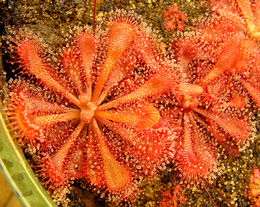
x: 116, y: 107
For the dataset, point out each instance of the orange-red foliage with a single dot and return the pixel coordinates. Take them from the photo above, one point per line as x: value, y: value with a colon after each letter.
x: 116, y: 109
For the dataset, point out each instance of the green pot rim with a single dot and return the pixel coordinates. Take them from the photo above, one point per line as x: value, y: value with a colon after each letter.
x: 18, y: 172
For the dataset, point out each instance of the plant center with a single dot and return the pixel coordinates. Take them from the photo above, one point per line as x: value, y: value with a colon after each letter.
x: 87, y: 108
